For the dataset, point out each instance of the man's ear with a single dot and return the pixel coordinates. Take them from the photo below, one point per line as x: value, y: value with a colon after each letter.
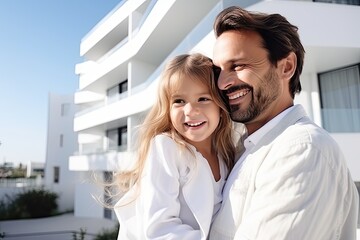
x: 288, y: 65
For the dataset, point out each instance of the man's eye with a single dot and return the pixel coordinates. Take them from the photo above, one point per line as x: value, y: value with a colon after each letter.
x: 238, y: 67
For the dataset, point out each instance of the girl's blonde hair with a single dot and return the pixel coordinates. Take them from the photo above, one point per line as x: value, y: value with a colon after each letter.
x: 198, y: 68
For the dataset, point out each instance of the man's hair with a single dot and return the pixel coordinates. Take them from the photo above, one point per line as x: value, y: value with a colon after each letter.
x: 280, y: 37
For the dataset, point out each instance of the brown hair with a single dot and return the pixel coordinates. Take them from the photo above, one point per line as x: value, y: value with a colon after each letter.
x: 278, y: 35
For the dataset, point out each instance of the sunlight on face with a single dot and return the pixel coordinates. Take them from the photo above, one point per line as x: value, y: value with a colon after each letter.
x: 193, y: 112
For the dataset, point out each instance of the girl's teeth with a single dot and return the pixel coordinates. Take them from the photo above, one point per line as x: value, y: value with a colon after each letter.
x: 194, y: 124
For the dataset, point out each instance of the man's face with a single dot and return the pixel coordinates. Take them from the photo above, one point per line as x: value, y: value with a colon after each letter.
x: 247, y: 78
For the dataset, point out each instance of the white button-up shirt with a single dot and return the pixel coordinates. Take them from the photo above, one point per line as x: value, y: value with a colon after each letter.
x: 291, y: 183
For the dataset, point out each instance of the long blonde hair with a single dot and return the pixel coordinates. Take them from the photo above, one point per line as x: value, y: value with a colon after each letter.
x: 198, y: 68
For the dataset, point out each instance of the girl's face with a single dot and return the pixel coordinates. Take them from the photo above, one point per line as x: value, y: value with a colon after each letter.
x: 193, y: 112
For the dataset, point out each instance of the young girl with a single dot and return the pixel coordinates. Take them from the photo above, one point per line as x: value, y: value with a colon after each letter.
x: 184, y: 156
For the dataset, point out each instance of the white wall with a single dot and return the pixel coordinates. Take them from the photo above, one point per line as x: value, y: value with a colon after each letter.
x: 85, y: 203
x: 350, y: 145
x: 56, y: 155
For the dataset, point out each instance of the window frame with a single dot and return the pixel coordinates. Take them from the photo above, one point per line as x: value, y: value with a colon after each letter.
x: 321, y: 94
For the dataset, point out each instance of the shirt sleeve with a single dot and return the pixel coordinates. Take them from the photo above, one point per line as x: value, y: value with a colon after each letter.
x: 160, y: 186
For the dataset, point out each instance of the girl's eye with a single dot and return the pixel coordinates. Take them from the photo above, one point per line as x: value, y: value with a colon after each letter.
x: 202, y: 99
x: 178, y: 101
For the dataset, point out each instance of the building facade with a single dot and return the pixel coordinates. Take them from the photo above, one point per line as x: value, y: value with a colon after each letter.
x: 125, y: 53
x: 61, y: 143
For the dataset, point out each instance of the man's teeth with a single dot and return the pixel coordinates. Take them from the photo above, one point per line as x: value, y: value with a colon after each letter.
x: 239, y: 94
x: 194, y: 124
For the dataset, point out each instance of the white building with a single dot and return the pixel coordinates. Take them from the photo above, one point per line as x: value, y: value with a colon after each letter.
x: 61, y: 143
x: 125, y: 53
x: 35, y: 169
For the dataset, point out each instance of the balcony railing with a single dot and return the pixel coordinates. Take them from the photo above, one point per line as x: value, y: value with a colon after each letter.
x: 20, y: 182
x: 91, y: 151
x: 120, y: 96
x: 102, y: 103
x: 49, y: 235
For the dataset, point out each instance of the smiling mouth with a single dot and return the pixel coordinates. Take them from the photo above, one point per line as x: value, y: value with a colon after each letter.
x: 194, y: 124
x: 239, y: 94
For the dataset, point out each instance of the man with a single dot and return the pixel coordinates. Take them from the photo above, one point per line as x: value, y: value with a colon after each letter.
x: 292, y: 181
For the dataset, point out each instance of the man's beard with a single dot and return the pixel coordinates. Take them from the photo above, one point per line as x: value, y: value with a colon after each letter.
x: 267, y: 93
x: 237, y: 115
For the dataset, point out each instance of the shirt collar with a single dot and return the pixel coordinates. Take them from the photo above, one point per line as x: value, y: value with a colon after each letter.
x: 255, y: 137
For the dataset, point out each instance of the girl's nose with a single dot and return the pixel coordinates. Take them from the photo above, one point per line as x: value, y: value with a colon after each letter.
x: 190, y: 109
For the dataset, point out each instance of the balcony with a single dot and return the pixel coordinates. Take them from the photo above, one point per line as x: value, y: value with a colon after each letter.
x: 100, y: 160
x: 109, y: 31
x: 102, y: 112
x: 147, y: 42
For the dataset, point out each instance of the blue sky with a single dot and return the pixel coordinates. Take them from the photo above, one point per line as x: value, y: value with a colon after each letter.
x: 39, y: 47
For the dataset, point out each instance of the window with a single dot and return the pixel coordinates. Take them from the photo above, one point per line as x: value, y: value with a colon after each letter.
x: 112, y: 92
x: 340, y: 99
x: 123, y: 87
x: 117, y: 137
x: 116, y: 92
x: 348, y: 2
x: 56, y: 174
x: 112, y: 136
x: 61, y: 142
x: 65, y: 109
x: 123, y: 136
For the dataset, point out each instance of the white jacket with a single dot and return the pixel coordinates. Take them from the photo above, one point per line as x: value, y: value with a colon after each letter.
x: 176, y: 199
x: 293, y: 184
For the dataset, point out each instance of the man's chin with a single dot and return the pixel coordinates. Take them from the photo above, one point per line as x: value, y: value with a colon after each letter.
x: 240, y: 117
x: 235, y: 117
x: 233, y: 109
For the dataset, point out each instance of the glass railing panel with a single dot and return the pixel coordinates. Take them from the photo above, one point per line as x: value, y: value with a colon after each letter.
x: 117, y: 97
x: 21, y: 182
x: 113, y: 50
x: 93, y: 107
x: 92, y: 151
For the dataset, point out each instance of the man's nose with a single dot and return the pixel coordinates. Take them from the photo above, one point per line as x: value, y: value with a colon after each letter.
x: 225, y: 80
